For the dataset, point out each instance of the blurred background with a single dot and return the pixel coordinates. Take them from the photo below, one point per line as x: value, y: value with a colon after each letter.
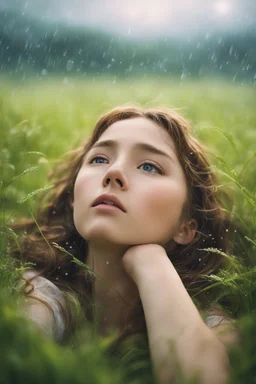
x: 182, y: 38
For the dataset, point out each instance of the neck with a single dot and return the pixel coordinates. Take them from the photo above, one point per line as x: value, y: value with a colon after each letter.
x: 114, y: 292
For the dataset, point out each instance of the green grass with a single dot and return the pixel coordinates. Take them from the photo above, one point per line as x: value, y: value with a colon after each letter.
x: 41, y: 121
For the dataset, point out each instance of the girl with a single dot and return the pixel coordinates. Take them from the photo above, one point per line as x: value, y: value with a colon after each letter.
x: 137, y: 204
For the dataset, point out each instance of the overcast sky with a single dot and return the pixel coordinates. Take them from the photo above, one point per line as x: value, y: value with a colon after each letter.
x: 135, y: 18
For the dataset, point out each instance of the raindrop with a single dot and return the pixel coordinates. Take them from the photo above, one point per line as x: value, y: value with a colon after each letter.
x: 70, y: 65
x: 66, y: 273
x: 70, y: 247
x: 226, y: 230
x: 199, y: 259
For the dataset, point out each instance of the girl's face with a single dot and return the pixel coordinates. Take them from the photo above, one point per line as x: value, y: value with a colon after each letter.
x: 139, y: 166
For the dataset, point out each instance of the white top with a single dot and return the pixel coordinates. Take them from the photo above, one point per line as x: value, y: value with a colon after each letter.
x: 49, y: 293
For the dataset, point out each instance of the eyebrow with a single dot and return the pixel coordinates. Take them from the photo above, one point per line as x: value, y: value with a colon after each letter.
x: 142, y: 146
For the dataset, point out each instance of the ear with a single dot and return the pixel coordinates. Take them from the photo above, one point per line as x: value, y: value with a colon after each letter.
x: 186, y: 232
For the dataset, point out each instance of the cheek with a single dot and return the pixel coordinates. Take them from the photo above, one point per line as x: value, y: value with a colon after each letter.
x: 82, y: 186
x: 164, y: 203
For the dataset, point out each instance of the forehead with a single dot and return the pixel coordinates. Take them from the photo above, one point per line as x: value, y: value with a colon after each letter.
x: 139, y: 129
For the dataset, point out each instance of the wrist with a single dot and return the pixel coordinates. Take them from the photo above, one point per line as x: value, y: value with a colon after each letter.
x: 144, y: 261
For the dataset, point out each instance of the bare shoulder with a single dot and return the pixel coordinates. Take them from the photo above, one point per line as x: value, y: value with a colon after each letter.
x: 44, y: 304
x: 224, y: 327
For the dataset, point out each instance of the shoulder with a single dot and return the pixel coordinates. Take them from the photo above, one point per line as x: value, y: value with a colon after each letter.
x: 224, y: 328
x: 46, y: 304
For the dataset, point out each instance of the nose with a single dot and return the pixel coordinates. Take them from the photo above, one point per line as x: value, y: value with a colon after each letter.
x: 115, y: 177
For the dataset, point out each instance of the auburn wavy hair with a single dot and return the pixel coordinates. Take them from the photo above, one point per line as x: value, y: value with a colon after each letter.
x: 54, y: 223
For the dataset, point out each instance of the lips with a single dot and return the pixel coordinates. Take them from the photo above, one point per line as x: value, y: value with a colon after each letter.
x: 111, y: 198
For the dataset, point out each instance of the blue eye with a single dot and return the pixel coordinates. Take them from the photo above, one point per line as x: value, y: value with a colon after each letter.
x: 149, y: 168
x: 97, y: 157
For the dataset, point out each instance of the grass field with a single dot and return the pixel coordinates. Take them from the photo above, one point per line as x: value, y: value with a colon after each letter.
x: 40, y: 121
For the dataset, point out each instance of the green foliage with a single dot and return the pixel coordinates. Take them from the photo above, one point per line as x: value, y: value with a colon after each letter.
x: 39, y: 124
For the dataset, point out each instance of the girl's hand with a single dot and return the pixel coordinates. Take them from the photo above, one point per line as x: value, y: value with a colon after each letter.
x: 144, y: 258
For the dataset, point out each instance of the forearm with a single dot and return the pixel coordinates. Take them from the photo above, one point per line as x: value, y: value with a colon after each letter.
x: 173, y: 320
